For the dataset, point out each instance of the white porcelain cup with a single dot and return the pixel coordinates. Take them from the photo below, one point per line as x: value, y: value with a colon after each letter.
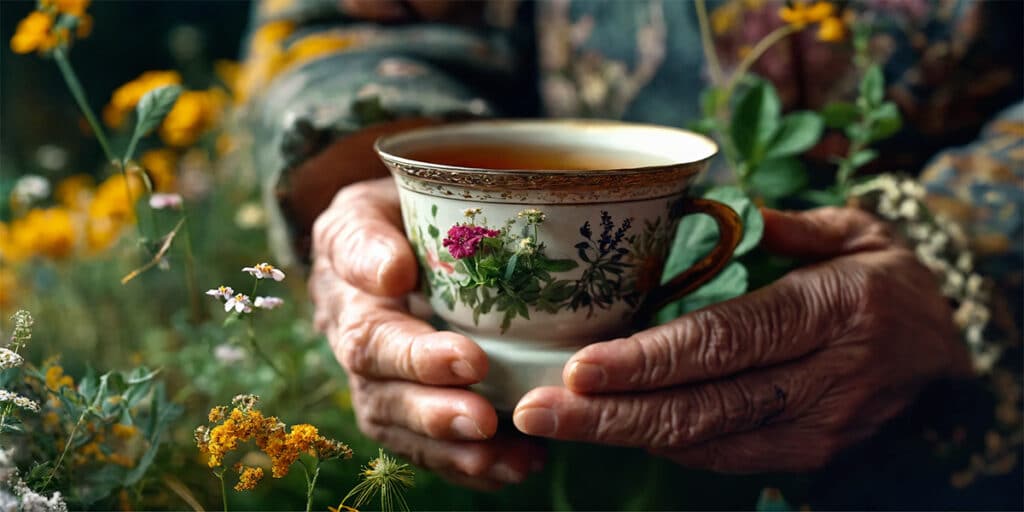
x: 534, y: 263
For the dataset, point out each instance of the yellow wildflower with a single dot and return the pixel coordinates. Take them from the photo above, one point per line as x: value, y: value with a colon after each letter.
x: 33, y: 33
x: 72, y: 7
x: 193, y: 114
x: 128, y: 95
x: 49, y: 232
x: 161, y: 166
x: 55, y: 378
x: 74, y: 191
x: 110, y: 210
x: 269, y: 36
x: 248, y: 478
x: 724, y: 18
x: 122, y: 431
x: 217, y: 413
x: 799, y: 14
x: 832, y: 30
x: 121, y: 460
x: 84, y: 26
x: 92, y: 450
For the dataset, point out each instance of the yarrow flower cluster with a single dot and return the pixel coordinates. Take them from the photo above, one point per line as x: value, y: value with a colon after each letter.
x: 10, y: 397
x: 940, y: 245
x: 242, y: 303
x: 532, y: 216
x: 244, y: 422
x: 31, y: 501
x: 9, y: 359
x: 463, y: 240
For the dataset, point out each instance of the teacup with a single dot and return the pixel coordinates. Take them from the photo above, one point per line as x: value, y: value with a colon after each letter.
x: 537, y: 237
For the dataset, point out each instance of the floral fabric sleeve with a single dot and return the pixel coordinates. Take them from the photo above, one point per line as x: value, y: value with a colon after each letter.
x: 315, y: 75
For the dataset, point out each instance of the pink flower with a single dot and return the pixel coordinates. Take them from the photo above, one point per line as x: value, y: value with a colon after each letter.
x: 165, y: 201
x: 435, y: 263
x: 463, y: 240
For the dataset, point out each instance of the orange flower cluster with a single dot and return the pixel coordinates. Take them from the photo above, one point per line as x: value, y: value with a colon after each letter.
x: 799, y: 14
x: 193, y: 114
x: 38, y: 32
x: 246, y: 423
x: 248, y: 477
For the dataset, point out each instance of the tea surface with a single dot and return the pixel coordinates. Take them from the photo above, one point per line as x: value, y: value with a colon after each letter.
x: 529, y: 157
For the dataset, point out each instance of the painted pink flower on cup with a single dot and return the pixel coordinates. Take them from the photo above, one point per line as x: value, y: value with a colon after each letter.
x: 435, y: 263
x: 463, y: 240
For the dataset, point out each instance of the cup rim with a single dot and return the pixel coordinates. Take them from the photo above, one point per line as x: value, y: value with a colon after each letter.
x: 405, y: 164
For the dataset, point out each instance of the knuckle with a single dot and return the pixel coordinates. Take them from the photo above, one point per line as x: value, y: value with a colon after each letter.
x: 719, y: 349
x: 672, y: 427
x: 354, y: 335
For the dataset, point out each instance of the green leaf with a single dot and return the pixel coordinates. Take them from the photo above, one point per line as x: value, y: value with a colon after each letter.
x: 433, y: 210
x: 709, y: 101
x: 557, y: 265
x: 797, y: 133
x: 777, y: 178
x: 863, y: 157
x: 840, y: 114
x: 872, y: 86
x: 433, y: 231
x: 154, y: 106
x: 698, y: 234
x: 755, y: 120
x: 729, y: 284
x: 823, y: 197
x: 886, y: 121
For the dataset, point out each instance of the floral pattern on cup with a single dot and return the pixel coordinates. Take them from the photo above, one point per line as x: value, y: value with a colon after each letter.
x: 504, y: 268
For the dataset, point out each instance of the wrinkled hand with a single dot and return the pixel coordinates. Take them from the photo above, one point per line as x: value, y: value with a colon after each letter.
x: 405, y: 377
x: 780, y: 379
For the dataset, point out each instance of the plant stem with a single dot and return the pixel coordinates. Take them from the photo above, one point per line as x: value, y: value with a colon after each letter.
x: 76, y: 90
x: 311, y: 484
x: 223, y: 490
x: 190, y: 272
x: 714, y: 69
x: 67, y: 445
x: 259, y: 351
x: 756, y: 52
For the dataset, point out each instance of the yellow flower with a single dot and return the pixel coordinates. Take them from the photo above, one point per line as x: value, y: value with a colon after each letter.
x: 110, y: 210
x: 49, y: 232
x: 193, y: 114
x: 724, y: 18
x: 832, y: 30
x: 72, y: 7
x: 84, y: 26
x: 55, y: 378
x: 820, y: 11
x: 128, y: 95
x: 121, y: 460
x: 217, y: 413
x: 248, y: 478
x: 274, y: 7
x: 74, y: 191
x: 161, y: 166
x: 122, y: 431
x: 33, y: 33
x: 269, y: 36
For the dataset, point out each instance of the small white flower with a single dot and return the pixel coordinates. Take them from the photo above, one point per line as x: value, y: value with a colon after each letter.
x: 471, y: 212
x: 265, y: 270
x: 974, y: 282
x: 221, y: 292
x: 250, y: 216
x: 240, y: 303
x: 164, y: 201
x: 526, y: 246
x: 909, y: 209
x: 919, y: 231
x: 268, y: 302
x: 532, y: 215
x: 912, y: 188
x: 18, y: 400
x: 9, y: 359
x: 953, y: 284
x: 886, y: 208
x: 228, y: 354
x: 31, y: 188
x: 965, y: 262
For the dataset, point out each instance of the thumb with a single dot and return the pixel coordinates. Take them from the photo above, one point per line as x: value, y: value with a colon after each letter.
x: 823, y: 232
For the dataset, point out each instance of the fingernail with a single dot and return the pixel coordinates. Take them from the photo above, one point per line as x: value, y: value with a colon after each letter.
x: 587, y: 376
x: 536, y: 421
x: 376, y: 255
x: 465, y: 428
x: 463, y: 369
x: 502, y: 471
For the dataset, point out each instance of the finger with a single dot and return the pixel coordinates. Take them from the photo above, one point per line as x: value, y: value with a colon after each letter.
x: 506, y: 459
x: 788, y: 319
x: 360, y: 234
x: 324, y: 291
x: 376, y: 338
x: 823, y: 232
x: 674, y: 417
x: 441, y: 413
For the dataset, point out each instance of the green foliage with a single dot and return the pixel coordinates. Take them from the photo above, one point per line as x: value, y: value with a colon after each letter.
x: 151, y: 110
x: 695, y: 237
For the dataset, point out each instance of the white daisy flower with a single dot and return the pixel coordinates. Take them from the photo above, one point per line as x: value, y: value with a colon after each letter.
x: 221, y: 292
x: 527, y: 246
x: 268, y: 302
x: 161, y: 201
x: 265, y: 270
x: 240, y: 303
x: 9, y: 359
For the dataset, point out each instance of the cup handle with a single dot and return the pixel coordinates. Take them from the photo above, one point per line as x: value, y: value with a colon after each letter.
x: 730, y: 232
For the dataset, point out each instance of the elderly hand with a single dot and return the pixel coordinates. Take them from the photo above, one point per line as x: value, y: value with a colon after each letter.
x: 780, y: 379
x: 406, y: 378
